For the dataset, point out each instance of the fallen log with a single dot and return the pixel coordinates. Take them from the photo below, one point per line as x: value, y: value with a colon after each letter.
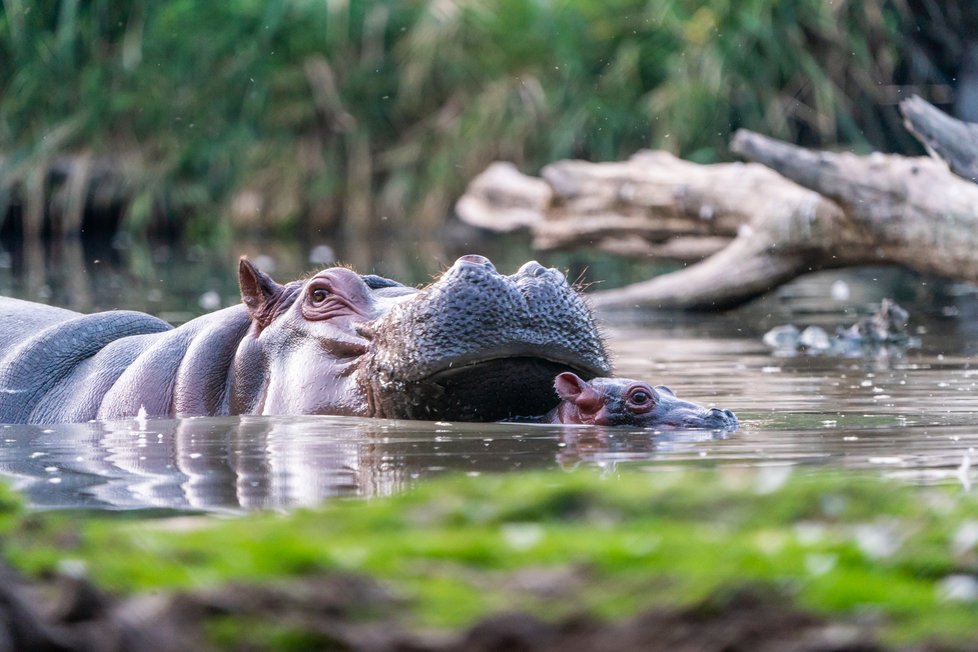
x: 945, y: 138
x: 799, y: 211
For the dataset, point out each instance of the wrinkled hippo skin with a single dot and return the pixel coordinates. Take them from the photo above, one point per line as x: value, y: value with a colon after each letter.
x: 626, y: 402
x: 474, y: 346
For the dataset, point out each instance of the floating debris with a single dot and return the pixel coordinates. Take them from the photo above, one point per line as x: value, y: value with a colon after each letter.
x: 882, y: 332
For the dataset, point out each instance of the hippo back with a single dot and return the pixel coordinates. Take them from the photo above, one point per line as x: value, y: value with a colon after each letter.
x: 20, y: 320
x: 40, y: 346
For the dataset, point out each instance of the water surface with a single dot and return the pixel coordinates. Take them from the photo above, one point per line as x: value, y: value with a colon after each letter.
x: 905, y: 413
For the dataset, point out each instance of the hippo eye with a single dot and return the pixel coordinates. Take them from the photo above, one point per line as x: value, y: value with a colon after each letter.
x: 318, y: 295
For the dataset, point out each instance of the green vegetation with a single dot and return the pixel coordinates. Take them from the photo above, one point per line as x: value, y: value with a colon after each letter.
x: 294, y: 113
x: 836, y: 543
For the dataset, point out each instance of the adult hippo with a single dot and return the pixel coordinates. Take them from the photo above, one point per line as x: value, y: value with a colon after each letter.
x: 473, y: 346
x: 626, y: 402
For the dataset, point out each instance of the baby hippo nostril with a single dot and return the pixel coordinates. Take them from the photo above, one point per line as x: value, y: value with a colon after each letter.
x: 476, y: 259
x: 730, y: 414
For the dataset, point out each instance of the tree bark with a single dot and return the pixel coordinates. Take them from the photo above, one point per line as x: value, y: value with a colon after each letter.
x: 945, y: 138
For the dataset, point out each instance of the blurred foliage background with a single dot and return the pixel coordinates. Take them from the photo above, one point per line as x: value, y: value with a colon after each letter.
x: 349, y: 116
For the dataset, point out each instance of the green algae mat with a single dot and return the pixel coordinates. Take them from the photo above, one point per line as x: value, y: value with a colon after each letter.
x: 845, y: 547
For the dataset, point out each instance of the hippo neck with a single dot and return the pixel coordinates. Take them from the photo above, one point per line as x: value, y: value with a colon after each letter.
x: 208, y: 375
x: 184, y: 372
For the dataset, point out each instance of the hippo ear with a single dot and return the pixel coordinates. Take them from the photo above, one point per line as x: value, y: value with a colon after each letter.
x: 569, y: 386
x: 257, y: 287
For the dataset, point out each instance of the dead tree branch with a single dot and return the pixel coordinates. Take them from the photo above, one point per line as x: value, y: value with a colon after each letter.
x: 754, y: 226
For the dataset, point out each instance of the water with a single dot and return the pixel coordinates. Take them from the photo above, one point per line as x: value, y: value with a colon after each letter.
x: 907, y: 414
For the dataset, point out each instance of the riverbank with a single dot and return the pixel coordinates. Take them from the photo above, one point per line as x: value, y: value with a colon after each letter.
x: 773, y: 558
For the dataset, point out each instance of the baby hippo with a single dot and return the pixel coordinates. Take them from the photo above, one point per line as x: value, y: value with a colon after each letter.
x: 624, y: 402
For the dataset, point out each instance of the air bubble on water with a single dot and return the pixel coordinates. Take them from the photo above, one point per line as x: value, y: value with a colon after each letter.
x: 141, y: 417
x: 885, y: 460
x: 840, y: 290
x: 964, y: 471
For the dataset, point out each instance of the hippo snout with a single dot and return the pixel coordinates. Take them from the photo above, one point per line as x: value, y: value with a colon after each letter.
x: 478, y: 345
x: 475, y: 260
x: 720, y: 419
x: 533, y: 268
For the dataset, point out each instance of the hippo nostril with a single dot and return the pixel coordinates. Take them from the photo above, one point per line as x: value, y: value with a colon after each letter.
x: 532, y: 268
x: 476, y: 259
x: 729, y: 414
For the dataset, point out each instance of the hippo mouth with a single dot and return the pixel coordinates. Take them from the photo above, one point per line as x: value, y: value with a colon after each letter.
x: 494, y: 389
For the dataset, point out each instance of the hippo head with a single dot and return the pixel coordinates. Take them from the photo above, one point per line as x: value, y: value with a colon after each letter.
x: 473, y: 346
x: 625, y: 402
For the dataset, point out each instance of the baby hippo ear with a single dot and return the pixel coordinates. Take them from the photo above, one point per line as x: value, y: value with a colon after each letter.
x: 570, y: 386
x: 258, y: 289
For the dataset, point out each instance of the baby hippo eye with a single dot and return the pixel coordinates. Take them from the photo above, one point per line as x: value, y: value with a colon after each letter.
x: 641, y: 396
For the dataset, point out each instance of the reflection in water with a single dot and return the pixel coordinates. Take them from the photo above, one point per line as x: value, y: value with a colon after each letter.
x: 221, y: 464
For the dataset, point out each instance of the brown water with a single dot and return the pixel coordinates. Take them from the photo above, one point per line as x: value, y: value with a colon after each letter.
x: 910, y: 413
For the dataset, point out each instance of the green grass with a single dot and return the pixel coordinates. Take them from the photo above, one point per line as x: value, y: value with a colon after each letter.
x: 453, y: 547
